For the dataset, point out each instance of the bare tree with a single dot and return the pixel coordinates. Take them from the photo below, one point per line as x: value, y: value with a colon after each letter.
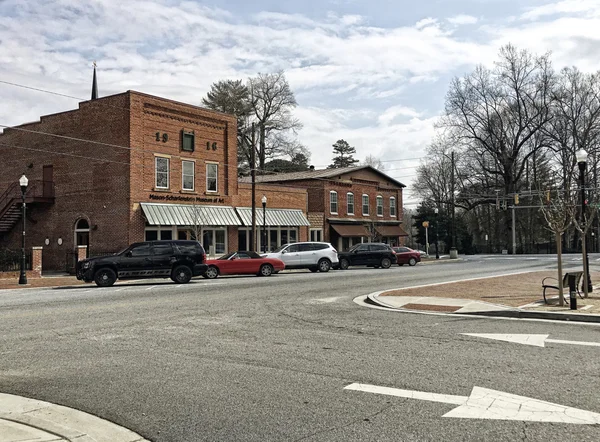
x: 373, y: 161
x: 272, y: 101
x: 494, y: 116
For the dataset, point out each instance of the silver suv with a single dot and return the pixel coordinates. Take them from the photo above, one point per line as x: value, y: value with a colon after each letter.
x: 315, y: 256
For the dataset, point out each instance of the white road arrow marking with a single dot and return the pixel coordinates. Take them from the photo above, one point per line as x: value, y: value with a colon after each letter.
x: 534, y: 340
x: 484, y: 403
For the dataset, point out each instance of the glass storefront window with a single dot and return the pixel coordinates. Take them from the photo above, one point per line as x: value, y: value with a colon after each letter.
x: 220, y: 241
x: 293, y: 235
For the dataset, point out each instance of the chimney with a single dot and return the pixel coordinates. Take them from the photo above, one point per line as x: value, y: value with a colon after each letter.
x: 94, y: 85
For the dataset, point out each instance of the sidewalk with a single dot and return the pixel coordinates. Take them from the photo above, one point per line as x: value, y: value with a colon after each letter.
x: 515, y: 295
x: 23, y: 419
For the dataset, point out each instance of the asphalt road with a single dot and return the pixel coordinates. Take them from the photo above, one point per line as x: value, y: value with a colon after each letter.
x: 267, y: 359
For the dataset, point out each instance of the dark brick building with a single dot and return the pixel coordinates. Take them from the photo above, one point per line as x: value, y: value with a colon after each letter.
x: 349, y: 205
x: 130, y: 167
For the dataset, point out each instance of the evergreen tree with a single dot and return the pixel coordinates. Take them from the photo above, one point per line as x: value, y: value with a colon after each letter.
x: 342, y: 152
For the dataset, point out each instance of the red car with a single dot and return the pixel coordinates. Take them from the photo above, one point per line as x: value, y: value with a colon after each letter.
x: 242, y: 263
x: 404, y: 255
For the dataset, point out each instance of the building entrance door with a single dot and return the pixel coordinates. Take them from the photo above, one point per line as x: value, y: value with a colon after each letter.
x: 82, y: 235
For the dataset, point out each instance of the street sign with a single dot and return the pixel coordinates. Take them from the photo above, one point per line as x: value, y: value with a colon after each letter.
x: 484, y: 403
x: 425, y: 224
x: 533, y: 340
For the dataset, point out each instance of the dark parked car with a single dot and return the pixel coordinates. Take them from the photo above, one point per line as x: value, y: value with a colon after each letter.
x: 406, y: 255
x: 178, y: 260
x: 368, y: 254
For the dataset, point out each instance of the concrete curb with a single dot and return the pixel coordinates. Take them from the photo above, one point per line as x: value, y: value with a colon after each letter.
x: 374, y: 299
x: 29, y: 419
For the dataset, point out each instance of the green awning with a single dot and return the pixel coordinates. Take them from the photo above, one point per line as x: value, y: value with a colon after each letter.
x: 189, y: 215
x: 274, y: 217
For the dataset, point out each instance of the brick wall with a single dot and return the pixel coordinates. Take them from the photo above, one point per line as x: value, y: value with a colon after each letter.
x: 91, y: 179
x: 151, y: 115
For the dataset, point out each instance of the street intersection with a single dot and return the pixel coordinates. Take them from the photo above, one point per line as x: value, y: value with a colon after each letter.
x: 291, y: 357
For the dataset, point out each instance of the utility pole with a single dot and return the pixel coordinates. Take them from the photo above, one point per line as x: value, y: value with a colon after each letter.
x: 253, y: 175
x: 514, y: 232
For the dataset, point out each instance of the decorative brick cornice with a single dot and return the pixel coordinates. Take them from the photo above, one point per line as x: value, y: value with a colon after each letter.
x: 184, y: 117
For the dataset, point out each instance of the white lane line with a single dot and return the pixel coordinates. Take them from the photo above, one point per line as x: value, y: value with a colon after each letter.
x: 150, y: 288
x: 409, y: 394
x: 587, y: 344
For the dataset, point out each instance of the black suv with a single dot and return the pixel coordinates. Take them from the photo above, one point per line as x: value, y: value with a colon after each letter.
x: 178, y: 260
x: 368, y: 254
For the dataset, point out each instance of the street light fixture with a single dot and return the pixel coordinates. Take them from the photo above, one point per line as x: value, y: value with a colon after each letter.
x: 23, y: 182
x: 437, y: 253
x: 264, y: 235
x: 581, y: 157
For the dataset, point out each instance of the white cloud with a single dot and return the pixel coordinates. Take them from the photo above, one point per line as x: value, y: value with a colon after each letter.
x: 429, y: 21
x: 562, y: 7
x: 462, y: 19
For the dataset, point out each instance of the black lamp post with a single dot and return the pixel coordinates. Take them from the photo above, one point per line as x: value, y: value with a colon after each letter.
x: 264, y: 235
x: 437, y: 253
x: 581, y: 157
x: 23, y: 182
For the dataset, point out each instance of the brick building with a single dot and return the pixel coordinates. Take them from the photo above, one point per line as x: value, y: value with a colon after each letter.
x: 130, y: 167
x: 349, y: 205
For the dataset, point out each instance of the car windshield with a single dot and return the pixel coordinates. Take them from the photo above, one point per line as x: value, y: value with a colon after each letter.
x: 225, y: 257
x: 354, y: 247
x: 120, y: 252
x: 279, y: 249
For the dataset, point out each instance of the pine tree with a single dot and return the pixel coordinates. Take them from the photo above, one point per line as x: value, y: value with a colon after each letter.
x: 342, y: 155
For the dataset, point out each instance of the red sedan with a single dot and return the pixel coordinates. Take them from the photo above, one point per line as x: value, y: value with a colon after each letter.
x: 242, y: 263
x: 405, y: 255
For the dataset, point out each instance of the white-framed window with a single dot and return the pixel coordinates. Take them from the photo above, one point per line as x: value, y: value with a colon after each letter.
x: 187, y: 175
x: 365, y: 204
x: 162, y: 172
x: 350, y: 203
x: 274, y: 237
x: 155, y: 233
x: 316, y: 235
x: 333, y: 202
x: 379, y: 201
x: 392, y: 206
x: 212, y: 175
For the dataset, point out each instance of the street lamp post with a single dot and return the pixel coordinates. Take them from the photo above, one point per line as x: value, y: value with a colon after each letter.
x: 437, y: 253
x: 581, y: 157
x: 264, y: 235
x: 23, y: 182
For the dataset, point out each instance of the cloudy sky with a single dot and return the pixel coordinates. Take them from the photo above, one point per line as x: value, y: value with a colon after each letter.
x: 373, y: 72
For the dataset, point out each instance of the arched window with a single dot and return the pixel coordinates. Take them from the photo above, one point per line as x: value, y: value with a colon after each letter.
x: 333, y: 202
x: 82, y: 224
x: 350, y: 203
x: 365, y: 204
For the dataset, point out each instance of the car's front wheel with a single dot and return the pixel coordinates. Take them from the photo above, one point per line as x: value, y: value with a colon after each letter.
x: 266, y: 270
x: 181, y: 274
x: 324, y: 265
x: 344, y: 264
x: 412, y: 262
x: 211, y: 272
x: 386, y: 263
x: 105, y: 277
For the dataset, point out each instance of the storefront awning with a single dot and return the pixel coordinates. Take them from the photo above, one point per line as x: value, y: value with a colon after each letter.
x: 390, y: 231
x: 189, y: 215
x: 347, y: 230
x: 274, y: 217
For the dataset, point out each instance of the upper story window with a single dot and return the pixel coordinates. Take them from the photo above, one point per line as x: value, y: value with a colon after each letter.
x: 392, y: 206
x: 333, y: 202
x: 212, y: 175
x: 365, y: 204
x: 162, y: 172
x: 187, y: 141
x: 379, y: 200
x: 187, y: 175
x: 350, y: 203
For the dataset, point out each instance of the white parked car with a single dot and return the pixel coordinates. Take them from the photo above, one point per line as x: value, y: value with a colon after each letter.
x: 315, y: 256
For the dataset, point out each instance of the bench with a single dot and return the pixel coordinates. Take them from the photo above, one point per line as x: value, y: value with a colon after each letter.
x: 565, y: 284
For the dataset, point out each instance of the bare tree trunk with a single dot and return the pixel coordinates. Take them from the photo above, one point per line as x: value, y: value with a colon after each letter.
x: 561, y: 299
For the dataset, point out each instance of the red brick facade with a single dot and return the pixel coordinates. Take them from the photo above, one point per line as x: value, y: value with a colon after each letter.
x: 102, y: 158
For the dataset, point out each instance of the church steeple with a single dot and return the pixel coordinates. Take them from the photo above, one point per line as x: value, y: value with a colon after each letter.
x: 94, y: 85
